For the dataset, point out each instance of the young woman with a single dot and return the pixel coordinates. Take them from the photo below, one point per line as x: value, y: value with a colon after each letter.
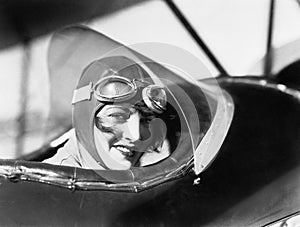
x: 118, y: 114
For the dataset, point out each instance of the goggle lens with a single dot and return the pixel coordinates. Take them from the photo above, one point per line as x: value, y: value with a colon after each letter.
x: 155, y: 98
x: 114, y: 89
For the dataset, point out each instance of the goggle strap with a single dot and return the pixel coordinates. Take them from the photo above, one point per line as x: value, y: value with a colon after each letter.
x: 83, y: 93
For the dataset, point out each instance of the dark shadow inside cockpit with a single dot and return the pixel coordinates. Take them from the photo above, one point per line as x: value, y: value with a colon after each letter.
x: 290, y: 75
x: 262, y: 146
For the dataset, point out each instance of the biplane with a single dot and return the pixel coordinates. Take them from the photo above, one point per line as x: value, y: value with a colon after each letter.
x: 237, y: 164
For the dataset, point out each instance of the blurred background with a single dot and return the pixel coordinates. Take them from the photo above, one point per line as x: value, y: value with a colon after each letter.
x: 236, y: 32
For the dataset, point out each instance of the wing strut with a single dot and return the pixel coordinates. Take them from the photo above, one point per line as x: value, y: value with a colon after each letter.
x: 196, y: 37
x: 269, y: 54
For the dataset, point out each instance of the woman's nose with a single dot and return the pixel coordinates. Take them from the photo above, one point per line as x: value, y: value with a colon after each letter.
x: 131, y: 129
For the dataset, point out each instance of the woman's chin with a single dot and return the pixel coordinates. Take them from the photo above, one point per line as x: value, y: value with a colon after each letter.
x: 120, y: 157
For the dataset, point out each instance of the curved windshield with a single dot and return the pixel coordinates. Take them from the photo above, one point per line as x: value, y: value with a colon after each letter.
x: 195, y: 123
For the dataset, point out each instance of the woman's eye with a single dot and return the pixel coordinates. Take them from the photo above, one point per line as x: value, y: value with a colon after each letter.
x: 119, y: 116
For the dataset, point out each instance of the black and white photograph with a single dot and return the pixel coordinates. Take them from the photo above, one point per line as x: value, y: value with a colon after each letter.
x: 150, y: 113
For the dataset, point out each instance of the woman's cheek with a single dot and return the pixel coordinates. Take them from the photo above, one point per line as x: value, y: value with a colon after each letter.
x: 112, y: 137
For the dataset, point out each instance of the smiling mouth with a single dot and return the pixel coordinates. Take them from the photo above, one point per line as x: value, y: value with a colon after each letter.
x: 126, y: 151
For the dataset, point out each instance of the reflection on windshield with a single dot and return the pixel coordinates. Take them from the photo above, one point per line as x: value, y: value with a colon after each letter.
x: 129, y: 111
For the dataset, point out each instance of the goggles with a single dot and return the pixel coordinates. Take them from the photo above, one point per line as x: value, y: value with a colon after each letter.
x: 119, y: 89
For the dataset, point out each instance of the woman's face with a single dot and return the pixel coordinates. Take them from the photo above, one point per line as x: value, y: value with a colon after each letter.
x: 128, y: 134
